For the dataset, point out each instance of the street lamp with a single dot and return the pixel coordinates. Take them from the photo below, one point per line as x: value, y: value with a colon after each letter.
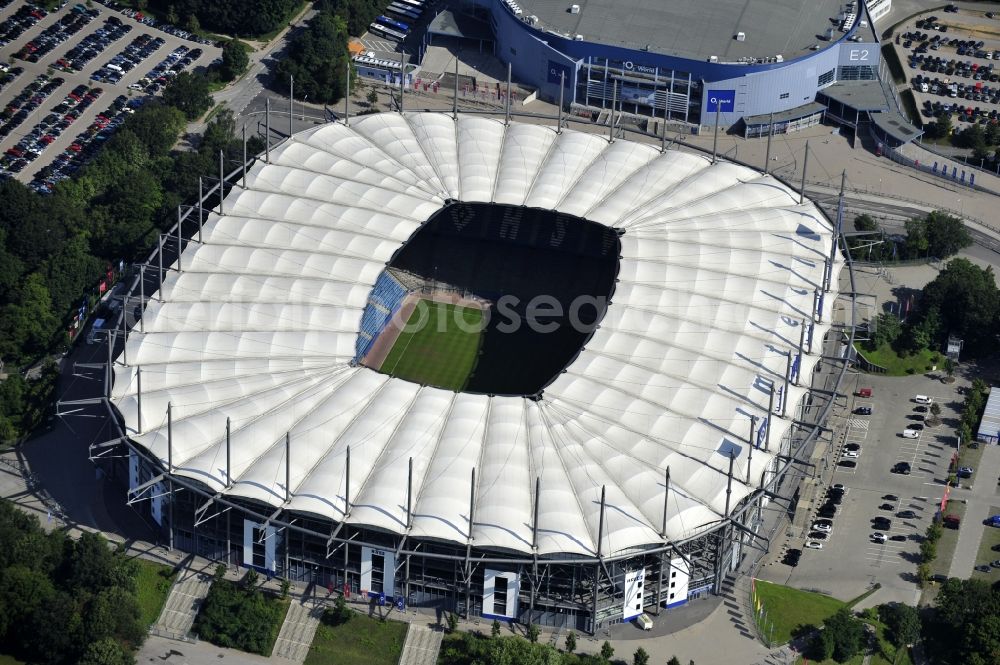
x: 304, y: 98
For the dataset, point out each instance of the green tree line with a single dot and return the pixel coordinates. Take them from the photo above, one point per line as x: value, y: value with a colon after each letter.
x: 54, y: 249
x: 242, y: 18
x: 64, y: 600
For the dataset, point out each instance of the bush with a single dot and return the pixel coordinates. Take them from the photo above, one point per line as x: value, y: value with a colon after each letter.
x: 339, y: 614
x: 240, y: 618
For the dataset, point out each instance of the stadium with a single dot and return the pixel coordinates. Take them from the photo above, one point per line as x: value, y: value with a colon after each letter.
x: 685, y: 61
x: 509, y: 370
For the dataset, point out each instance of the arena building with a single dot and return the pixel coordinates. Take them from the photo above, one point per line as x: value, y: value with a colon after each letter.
x: 618, y: 466
x: 745, y: 59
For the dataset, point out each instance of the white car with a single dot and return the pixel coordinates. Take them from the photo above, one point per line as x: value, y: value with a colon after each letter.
x: 911, y: 434
x: 923, y: 399
x: 854, y: 454
x: 878, y: 537
x: 825, y: 528
x: 814, y: 545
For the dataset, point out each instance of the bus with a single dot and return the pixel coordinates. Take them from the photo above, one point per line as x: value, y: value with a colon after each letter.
x: 402, y: 10
x: 417, y: 4
x: 384, y: 31
x: 395, y: 25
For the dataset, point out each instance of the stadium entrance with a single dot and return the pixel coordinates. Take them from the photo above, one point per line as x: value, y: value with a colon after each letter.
x: 490, y: 298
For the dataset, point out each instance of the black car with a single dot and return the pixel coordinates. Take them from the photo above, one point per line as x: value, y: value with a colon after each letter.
x: 906, y: 514
x: 887, y: 506
x: 847, y: 464
x: 996, y: 548
x: 890, y: 497
x: 983, y: 568
x: 863, y: 411
x: 915, y: 426
x: 899, y: 538
x: 882, y: 524
x: 901, y: 467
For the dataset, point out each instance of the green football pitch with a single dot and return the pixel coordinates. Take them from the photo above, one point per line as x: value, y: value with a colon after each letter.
x: 439, y: 346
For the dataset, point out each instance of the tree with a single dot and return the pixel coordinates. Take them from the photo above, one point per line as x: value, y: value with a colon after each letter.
x: 192, y: 24
x: 935, y: 407
x: 452, y: 620
x: 495, y: 629
x: 533, y: 633
x: 888, y: 328
x: 916, y: 242
x: 973, y: 137
x: 924, y: 573
x: 946, y: 234
x: 941, y: 128
x: 928, y: 551
x: 570, y: 642
x: 865, y: 223
x: 640, y: 657
x: 188, y: 93
x: 968, y: 301
x: 846, y: 634
x: 372, y: 98
x: 902, y: 622
x: 317, y: 58
x: 674, y: 660
x: 107, y: 651
x: 234, y: 59
x: 607, y: 651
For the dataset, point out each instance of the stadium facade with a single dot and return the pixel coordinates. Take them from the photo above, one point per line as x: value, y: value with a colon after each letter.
x: 685, y: 60
x: 634, y: 481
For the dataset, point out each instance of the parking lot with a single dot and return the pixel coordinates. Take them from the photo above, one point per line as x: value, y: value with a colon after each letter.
x: 93, y: 66
x: 952, y: 61
x: 863, y: 489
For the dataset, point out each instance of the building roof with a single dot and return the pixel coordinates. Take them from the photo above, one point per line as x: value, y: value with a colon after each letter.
x: 989, y: 426
x: 804, y: 111
x: 458, y: 24
x: 694, y: 30
x: 894, y: 125
x: 858, y: 95
x: 717, y: 274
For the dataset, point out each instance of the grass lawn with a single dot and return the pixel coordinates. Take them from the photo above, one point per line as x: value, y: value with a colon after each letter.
x: 9, y: 660
x: 991, y: 537
x: 154, y: 581
x: 360, y: 641
x: 790, y: 608
x: 949, y: 538
x: 439, y: 346
x: 896, y: 365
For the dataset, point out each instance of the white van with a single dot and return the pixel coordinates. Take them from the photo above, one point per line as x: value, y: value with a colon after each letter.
x: 923, y: 399
x: 113, y: 67
x: 911, y: 434
x: 643, y: 621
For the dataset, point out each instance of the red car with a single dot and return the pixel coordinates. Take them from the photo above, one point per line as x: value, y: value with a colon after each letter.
x: 16, y: 152
x: 75, y: 147
x: 47, y: 139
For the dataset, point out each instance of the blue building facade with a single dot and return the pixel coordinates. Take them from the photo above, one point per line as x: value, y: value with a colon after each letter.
x: 683, y: 89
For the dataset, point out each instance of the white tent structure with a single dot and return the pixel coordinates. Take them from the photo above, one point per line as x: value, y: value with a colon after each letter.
x: 695, y: 366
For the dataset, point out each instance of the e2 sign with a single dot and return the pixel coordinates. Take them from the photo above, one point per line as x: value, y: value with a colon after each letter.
x: 724, y: 99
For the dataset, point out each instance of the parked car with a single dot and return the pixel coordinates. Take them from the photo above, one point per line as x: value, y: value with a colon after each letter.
x: 910, y: 433
x: 879, y: 537
x: 901, y: 467
x: 906, y: 514
x: 890, y: 497
x: 923, y: 399
x: 898, y: 538
x: 823, y: 526
x: 816, y: 545
x: 865, y: 410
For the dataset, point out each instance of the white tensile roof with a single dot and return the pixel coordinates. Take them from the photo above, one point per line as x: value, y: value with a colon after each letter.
x: 718, y: 270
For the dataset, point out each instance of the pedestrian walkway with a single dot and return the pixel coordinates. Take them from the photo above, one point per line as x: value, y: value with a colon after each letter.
x: 297, y: 631
x: 977, y: 509
x: 421, y: 646
x: 181, y: 608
